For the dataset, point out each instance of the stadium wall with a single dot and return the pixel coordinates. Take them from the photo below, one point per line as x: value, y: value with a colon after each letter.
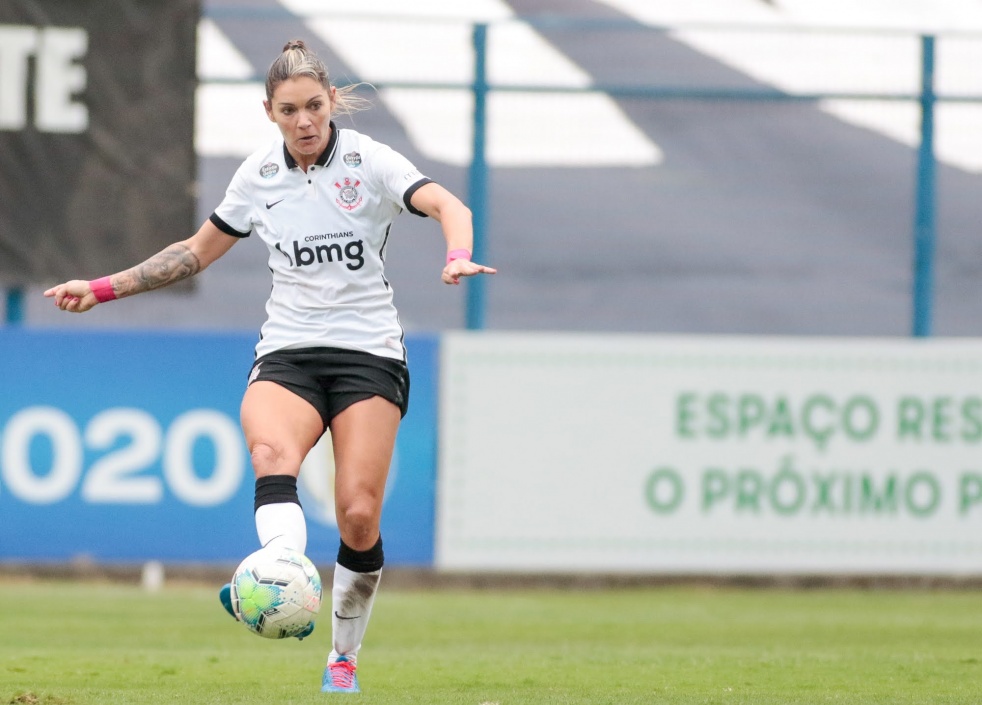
x: 522, y: 453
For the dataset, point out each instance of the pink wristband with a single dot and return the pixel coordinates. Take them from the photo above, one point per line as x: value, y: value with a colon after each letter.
x: 102, y: 289
x: 458, y: 254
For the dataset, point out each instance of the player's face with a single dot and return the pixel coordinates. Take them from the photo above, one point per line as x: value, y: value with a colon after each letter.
x: 301, y: 108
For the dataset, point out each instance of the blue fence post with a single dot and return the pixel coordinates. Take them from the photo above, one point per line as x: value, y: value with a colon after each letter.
x: 924, y: 218
x: 478, y: 179
x: 15, y: 306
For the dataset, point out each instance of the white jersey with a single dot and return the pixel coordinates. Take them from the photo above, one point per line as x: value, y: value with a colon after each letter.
x: 326, y: 231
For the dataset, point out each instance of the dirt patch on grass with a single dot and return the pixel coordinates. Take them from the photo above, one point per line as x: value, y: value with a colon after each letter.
x: 33, y: 699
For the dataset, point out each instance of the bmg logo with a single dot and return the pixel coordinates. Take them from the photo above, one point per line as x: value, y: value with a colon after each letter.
x: 57, y: 78
x: 352, y: 254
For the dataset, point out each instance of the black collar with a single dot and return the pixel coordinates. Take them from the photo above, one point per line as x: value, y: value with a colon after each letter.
x: 324, y: 157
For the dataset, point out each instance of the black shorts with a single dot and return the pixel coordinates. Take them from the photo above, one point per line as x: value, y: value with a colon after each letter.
x: 332, y: 379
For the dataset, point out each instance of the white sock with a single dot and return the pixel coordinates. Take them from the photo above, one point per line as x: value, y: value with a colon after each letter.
x: 282, y: 524
x: 351, y: 601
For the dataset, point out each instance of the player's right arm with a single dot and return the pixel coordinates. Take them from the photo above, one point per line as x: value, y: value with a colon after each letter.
x: 176, y: 262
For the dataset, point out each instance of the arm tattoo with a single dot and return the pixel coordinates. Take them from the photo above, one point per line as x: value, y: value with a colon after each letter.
x: 166, y: 267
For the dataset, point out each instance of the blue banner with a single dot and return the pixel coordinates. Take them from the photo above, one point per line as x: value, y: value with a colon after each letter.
x: 125, y: 447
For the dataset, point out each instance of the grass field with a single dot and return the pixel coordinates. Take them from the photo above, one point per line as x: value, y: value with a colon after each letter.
x: 65, y: 643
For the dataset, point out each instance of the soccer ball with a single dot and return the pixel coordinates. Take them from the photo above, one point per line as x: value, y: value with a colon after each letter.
x: 276, y: 592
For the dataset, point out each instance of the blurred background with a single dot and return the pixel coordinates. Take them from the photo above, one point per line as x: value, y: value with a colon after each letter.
x: 734, y: 329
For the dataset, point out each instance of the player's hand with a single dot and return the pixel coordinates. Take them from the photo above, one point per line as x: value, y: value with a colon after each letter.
x: 464, y: 268
x: 74, y: 296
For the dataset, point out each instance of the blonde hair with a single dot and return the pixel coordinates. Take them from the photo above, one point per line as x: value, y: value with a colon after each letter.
x: 297, y: 61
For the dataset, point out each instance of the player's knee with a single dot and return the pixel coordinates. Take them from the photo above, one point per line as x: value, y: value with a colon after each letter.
x: 268, y: 459
x: 360, y: 525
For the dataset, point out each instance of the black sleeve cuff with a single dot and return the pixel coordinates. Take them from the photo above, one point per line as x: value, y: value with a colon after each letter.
x: 225, y: 227
x: 409, y: 194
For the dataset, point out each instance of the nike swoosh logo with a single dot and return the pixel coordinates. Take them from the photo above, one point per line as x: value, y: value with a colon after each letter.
x: 270, y: 205
x: 340, y: 617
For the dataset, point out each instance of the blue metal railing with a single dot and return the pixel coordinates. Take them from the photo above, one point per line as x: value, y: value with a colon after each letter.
x: 925, y: 227
x: 477, y: 192
x: 925, y: 223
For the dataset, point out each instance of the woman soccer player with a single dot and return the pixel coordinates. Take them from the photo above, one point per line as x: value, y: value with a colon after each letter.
x: 331, y: 353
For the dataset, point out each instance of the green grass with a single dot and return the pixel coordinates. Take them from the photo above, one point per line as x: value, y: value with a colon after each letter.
x: 87, y: 643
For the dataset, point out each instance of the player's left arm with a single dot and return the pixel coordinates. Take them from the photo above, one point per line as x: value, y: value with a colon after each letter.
x: 458, y: 230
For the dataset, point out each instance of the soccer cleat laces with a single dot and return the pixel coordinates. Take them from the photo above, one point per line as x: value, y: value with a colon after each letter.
x: 339, y: 677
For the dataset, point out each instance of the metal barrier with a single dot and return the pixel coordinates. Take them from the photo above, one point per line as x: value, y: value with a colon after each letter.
x: 924, y: 220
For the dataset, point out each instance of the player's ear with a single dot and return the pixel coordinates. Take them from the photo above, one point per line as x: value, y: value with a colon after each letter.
x: 269, y: 110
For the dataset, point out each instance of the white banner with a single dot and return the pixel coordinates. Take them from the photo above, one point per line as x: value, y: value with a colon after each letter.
x: 710, y: 455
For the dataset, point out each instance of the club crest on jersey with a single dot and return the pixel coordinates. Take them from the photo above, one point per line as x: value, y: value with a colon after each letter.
x: 348, y: 196
x: 269, y: 170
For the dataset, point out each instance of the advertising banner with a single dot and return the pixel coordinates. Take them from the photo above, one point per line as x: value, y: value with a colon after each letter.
x: 120, y: 448
x: 710, y: 455
x: 97, y: 163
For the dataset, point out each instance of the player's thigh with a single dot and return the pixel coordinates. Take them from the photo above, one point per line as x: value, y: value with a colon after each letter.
x: 280, y: 428
x: 364, y: 437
